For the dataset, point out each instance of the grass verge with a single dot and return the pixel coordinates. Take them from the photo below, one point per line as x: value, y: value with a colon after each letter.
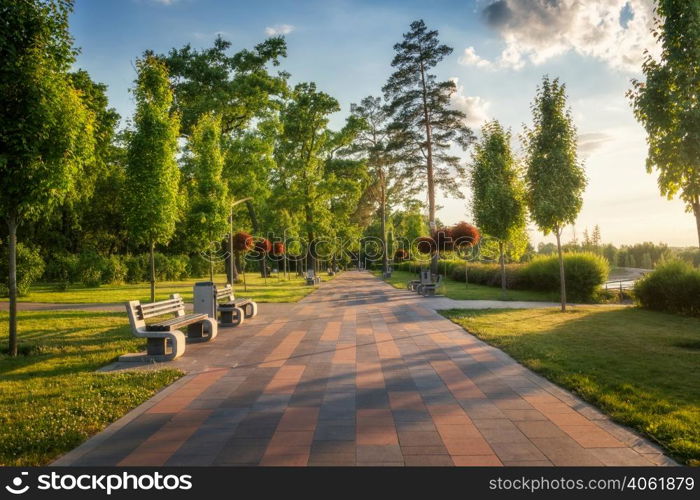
x: 461, y: 291
x: 51, y: 398
x: 257, y: 288
x: 638, y: 366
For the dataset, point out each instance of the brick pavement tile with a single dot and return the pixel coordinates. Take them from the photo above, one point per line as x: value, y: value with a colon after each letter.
x: 476, y: 460
x: 428, y: 460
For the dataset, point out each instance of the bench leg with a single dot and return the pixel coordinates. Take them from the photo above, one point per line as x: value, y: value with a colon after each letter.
x: 155, y: 347
x: 213, y: 328
x: 232, y: 316
x: 251, y: 310
x: 195, y: 332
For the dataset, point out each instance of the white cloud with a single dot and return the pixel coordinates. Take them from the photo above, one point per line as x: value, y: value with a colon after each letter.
x: 534, y: 31
x: 475, y: 107
x: 279, y: 29
x: 470, y: 58
x: 588, y: 142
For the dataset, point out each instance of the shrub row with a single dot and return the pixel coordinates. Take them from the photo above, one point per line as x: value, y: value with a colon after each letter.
x: 92, y: 269
x: 30, y: 267
x: 584, y: 273
x: 672, y: 287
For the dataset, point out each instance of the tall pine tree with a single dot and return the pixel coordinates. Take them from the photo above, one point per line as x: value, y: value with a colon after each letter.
x: 423, y: 119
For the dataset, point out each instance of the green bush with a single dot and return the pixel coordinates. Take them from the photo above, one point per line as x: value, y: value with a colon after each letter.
x: 168, y: 267
x: 137, y: 267
x: 30, y: 267
x: 584, y: 273
x: 198, y: 266
x: 672, y: 287
x: 91, y: 265
x: 62, y: 269
x: 114, y: 270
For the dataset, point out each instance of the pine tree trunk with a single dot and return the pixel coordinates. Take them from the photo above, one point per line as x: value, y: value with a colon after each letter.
x: 696, y: 211
x: 12, y: 282
x: 153, y: 273
x: 503, y: 267
x: 385, y: 253
x: 562, y: 278
x: 429, y: 166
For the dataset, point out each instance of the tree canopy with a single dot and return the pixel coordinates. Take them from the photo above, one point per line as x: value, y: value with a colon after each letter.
x: 666, y: 103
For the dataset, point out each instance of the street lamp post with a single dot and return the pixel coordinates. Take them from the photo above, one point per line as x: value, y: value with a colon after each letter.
x: 230, y: 240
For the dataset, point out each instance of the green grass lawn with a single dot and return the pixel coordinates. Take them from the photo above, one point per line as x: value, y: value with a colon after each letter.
x: 52, y: 399
x: 275, y: 290
x: 461, y: 291
x: 640, y: 367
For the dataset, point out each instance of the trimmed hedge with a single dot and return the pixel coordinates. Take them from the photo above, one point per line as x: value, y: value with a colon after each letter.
x: 92, y: 269
x: 672, y: 287
x: 30, y: 267
x: 585, y: 273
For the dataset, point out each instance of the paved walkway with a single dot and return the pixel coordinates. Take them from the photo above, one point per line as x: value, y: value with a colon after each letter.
x: 359, y: 373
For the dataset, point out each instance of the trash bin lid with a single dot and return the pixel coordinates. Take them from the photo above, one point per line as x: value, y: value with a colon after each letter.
x: 204, y: 283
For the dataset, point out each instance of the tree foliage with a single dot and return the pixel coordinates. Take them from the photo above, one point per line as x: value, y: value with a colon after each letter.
x: 498, y: 193
x: 666, y: 103
x: 152, y: 174
x: 211, y: 207
x: 425, y: 123
x: 555, y: 178
x: 238, y: 87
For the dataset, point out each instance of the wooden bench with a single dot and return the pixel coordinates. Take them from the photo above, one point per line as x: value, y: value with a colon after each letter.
x: 234, y: 310
x: 311, y: 278
x: 165, y: 331
x: 425, y: 277
x: 429, y: 288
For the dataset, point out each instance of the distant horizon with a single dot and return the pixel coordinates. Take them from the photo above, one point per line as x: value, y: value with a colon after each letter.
x: 500, y: 54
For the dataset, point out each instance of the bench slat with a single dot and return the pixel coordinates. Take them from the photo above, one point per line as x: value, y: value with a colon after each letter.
x: 174, y: 323
x: 236, y: 303
x: 158, y: 309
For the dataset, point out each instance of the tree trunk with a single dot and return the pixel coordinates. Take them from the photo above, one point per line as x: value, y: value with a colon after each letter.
x: 253, y: 217
x: 12, y: 282
x: 562, y: 278
x: 385, y: 253
x: 211, y: 265
x: 429, y: 166
x: 153, y: 273
x: 696, y: 211
x: 503, y: 267
x: 236, y: 266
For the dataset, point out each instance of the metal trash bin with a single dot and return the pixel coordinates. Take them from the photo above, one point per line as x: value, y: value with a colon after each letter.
x: 205, y: 298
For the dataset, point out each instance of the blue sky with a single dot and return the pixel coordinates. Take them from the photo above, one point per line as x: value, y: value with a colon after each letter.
x: 501, y: 50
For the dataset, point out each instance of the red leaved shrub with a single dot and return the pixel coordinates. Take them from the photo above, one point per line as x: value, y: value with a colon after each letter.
x: 278, y: 248
x: 242, y: 242
x: 400, y: 255
x: 465, y: 235
x: 263, y: 246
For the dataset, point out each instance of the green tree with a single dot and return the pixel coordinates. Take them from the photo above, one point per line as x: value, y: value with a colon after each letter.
x: 46, y: 131
x: 555, y: 178
x: 208, y: 215
x: 424, y: 121
x: 152, y: 174
x: 310, y: 178
x: 239, y: 88
x: 666, y: 103
x: 498, y: 193
x: 390, y: 181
